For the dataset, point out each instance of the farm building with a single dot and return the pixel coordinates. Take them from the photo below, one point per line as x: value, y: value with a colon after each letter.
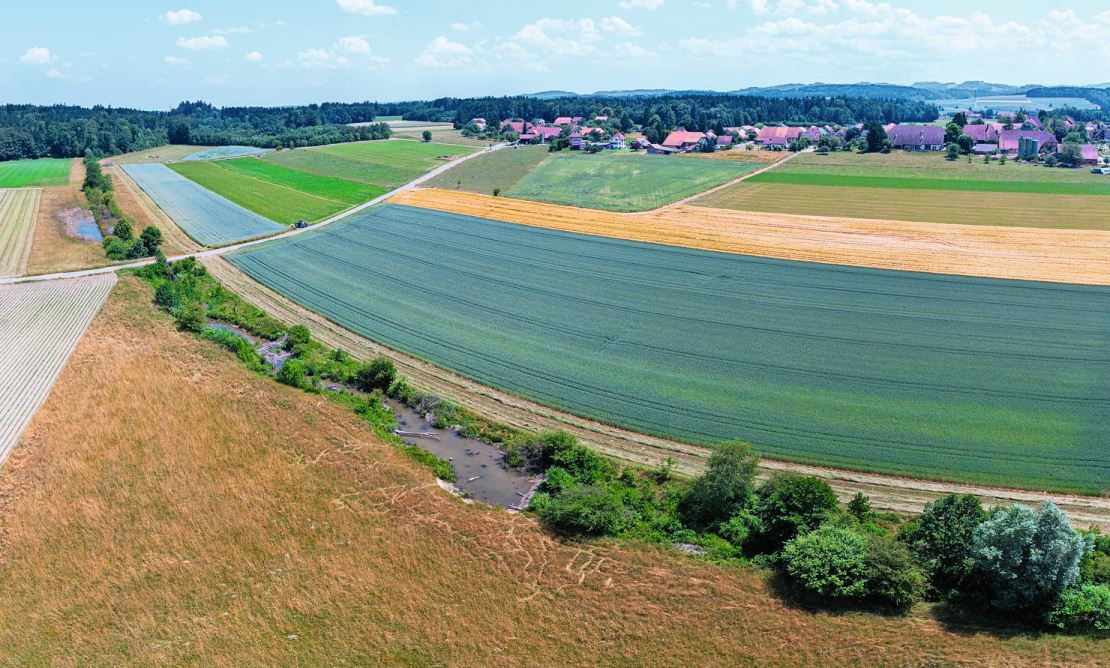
x: 777, y: 136
x: 519, y: 127
x: 983, y: 134
x: 659, y: 149
x: 917, y: 137
x: 1009, y: 140
x: 1088, y: 154
x: 567, y: 120
x: 724, y: 141
x: 547, y: 133
x: 616, y: 142
x: 682, y: 140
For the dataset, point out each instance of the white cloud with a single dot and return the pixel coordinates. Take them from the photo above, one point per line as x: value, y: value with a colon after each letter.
x: 442, y: 53
x: 463, y: 27
x: 322, y: 59
x: 353, y: 44
x: 181, y: 17
x: 216, y: 79
x: 203, y: 42
x: 55, y: 74
x: 253, y: 57
x: 632, y: 51
x: 175, y: 61
x: 649, y: 5
x: 37, y: 55
x: 366, y: 7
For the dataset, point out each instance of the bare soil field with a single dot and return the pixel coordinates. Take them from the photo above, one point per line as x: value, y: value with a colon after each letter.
x: 170, y: 507
x: 1069, y: 256
x: 887, y: 492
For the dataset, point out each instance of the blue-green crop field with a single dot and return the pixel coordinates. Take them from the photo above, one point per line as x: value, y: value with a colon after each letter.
x: 924, y: 375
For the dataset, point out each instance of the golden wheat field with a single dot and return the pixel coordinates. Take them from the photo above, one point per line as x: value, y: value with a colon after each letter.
x: 1070, y: 256
x: 168, y: 507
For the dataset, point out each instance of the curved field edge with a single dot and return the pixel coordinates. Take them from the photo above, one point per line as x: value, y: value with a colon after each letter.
x: 189, y: 511
x: 40, y: 326
x: 1081, y: 257
x: 899, y: 494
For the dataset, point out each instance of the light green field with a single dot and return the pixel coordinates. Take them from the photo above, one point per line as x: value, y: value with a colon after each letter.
x: 623, y: 181
x: 348, y: 192
x: 388, y: 164
x: 499, y: 169
x: 924, y: 187
x: 281, y: 204
x: 42, y: 173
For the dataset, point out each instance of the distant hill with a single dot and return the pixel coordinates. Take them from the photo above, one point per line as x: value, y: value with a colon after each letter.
x: 864, y: 90
x: 1099, y: 96
x: 971, y: 89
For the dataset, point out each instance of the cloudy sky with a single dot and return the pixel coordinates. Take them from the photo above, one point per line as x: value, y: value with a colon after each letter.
x: 152, y: 54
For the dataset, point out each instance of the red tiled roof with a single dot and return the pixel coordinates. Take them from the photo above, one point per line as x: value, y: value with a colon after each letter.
x: 1008, y: 140
x: 678, y: 139
x: 549, y: 132
x: 1089, y: 152
x: 916, y: 135
x: 769, y: 133
x: 563, y: 120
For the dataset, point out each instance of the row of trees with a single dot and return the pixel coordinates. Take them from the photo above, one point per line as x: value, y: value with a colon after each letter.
x: 122, y: 243
x: 1011, y: 562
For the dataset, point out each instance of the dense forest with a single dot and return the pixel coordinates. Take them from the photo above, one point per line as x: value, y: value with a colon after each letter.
x: 28, y: 131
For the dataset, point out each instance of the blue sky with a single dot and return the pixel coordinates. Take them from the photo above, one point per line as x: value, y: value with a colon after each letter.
x: 154, y: 54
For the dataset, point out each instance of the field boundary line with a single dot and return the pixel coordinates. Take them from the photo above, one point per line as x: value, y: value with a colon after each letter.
x: 894, y: 493
x: 739, y: 179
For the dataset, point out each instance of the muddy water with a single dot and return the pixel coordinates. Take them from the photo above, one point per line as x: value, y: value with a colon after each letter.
x: 479, y: 466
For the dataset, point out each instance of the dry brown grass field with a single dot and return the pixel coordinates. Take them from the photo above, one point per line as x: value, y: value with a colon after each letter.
x: 168, y: 507
x: 740, y: 155
x: 1073, y: 256
x: 53, y: 249
x: 928, y: 206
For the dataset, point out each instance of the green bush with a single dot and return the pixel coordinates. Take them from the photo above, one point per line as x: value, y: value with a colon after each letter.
x: 581, y: 510
x: 236, y: 344
x: 789, y: 506
x: 830, y: 563
x: 123, y: 231
x: 135, y: 249
x: 166, y: 296
x: 893, y: 578
x: 941, y: 540
x: 738, y: 528
x: 376, y: 374
x: 1082, y: 609
x: 292, y: 373
x: 190, y: 317
x: 299, y: 336
x: 115, y: 249
x: 724, y: 489
x: 152, y: 239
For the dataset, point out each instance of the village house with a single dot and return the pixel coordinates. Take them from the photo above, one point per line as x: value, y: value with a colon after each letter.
x: 659, y: 149
x: 681, y: 140
x: 1088, y: 154
x: 777, y: 135
x: 983, y: 134
x: 917, y: 137
x: 1009, y: 140
x: 724, y: 141
x: 519, y: 127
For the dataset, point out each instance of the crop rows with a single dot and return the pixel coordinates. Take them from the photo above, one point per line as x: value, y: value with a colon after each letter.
x: 1068, y: 256
x: 205, y: 216
x: 40, y: 325
x: 621, y: 182
x: 973, y: 380
x: 18, y: 211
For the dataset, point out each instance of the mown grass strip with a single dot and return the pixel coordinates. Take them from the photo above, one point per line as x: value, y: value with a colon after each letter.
x: 920, y: 183
x: 44, y: 173
x: 339, y: 190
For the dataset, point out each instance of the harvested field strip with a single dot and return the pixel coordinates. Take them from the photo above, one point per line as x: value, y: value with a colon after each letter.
x: 1067, y: 256
x: 952, y: 207
x: 222, y: 152
x: 18, y: 212
x: 900, y: 495
x: 40, y: 324
x: 42, y: 173
x: 623, y: 182
x: 811, y: 178
x: 982, y: 381
x: 205, y: 216
x: 930, y: 166
x: 336, y: 190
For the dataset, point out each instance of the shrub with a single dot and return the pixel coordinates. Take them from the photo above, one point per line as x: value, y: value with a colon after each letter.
x: 893, y: 579
x: 377, y: 374
x: 860, y: 507
x: 191, y: 317
x: 830, y: 563
x: 236, y: 344
x: 442, y: 469
x: 152, y: 239
x: 738, y: 528
x: 1082, y: 609
x: 792, y: 505
x: 115, y: 249
x: 724, y: 489
x: 299, y: 336
x: 941, y: 540
x: 166, y: 296
x: 123, y: 230
x: 292, y: 373
x: 581, y: 510
x: 1028, y: 556
x: 582, y: 463
x: 1095, y: 568
x: 135, y: 249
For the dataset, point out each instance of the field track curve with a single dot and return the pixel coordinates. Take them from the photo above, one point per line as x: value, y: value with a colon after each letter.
x: 40, y: 326
x: 887, y: 492
x: 1065, y: 256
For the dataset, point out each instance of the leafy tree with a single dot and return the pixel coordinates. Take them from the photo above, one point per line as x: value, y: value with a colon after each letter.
x: 876, y: 136
x: 152, y: 239
x: 1028, y: 556
x: 966, y: 143
x: 166, y: 296
x: 298, y: 336
x: 123, y: 231
x: 427, y: 135
x: 191, y: 316
x: 725, y: 488
x: 952, y: 132
x: 960, y: 119
x: 376, y: 374
x: 941, y: 539
x: 830, y: 562
x: 860, y: 506
x: 1082, y: 609
x: 792, y: 505
x: 1071, y: 155
x: 292, y: 373
x: 953, y: 151
x: 893, y: 578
